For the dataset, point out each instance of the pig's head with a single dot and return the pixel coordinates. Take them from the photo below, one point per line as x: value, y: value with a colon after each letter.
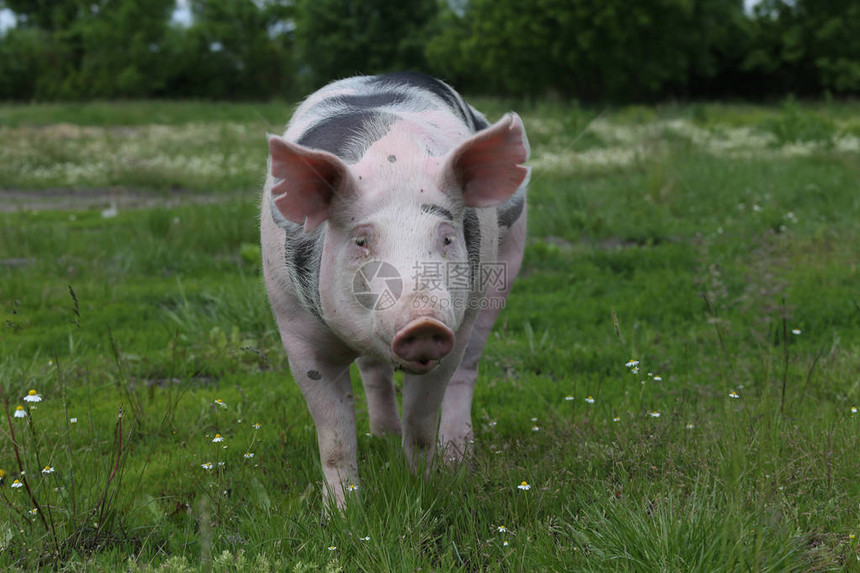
x: 396, y: 228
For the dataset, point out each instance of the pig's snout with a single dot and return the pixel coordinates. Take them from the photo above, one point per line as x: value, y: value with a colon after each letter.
x: 422, y: 343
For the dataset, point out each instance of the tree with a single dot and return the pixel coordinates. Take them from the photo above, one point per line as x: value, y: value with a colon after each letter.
x: 234, y: 49
x: 338, y: 38
x: 591, y: 49
x: 806, y: 46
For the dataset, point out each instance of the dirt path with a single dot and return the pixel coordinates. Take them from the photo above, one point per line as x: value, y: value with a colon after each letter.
x: 63, y: 199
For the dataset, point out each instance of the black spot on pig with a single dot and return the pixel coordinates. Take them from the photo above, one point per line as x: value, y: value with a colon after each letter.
x: 437, y: 210
x: 369, y: 101
x: 509, y: 211
x: 303, y: 256
x: 349, y: 134
x: 472, y: 236
x: 438, y: 88
x: 314, y: 374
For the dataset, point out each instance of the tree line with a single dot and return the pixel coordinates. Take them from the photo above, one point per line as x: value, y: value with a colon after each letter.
x: 590, y: 50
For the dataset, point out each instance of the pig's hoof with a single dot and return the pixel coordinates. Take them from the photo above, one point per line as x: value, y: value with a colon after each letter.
x: 455, y: 453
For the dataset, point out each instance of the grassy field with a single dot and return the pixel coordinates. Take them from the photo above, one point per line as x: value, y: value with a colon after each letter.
x: 717, y: 245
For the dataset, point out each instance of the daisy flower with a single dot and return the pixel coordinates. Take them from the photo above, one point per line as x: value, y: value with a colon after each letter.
x: 690, y: 426
x: 332, y: 547
x: 505, y: 543
x: 734, y: 394
x: 502, y: 529
x: 249, y: 455
x: 632, y: 363
x: 73, y: 420
x: 257, y: 426
x: 524, y: 486
x: 34, y: 511
x: 658, y: 378
x: 207, y: 466
x: 796, y: 331
x: 32, y: 396
x: 16, y: 484
x: 48, y: 470
x: 20, y: 412
x: 220, y: 402
x: 590, y: 400
x: 351, y: 487
x: 535, y: 428
x: 853, y: 409
x: 365, y: 538
x: 568, y: 398
x: 616, y: 419
x: 218, y: 438
x: 654, y: 414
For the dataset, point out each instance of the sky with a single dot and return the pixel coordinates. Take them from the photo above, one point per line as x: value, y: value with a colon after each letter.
x: 181, y: 15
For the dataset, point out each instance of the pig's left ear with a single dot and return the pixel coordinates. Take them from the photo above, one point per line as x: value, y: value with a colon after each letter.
x: 306, y: 180
x: 487, y: 168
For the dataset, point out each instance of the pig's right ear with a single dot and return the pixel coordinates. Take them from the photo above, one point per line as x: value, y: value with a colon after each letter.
x: 306, y: 180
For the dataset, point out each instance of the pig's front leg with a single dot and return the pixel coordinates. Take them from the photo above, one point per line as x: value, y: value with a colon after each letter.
x: 327, y: 389
x: 377, y: 378
x: 422, y: 400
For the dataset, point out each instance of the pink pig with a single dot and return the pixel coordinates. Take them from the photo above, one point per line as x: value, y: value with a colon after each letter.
x: 393, y: 224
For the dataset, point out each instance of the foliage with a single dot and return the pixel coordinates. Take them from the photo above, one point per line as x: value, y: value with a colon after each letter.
x: 234, y: 49
x: 806, y: 46
x: 591, y: 50
x: 341, y: 38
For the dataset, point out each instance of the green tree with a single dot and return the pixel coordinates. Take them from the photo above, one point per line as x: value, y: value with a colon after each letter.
x: 592, y: 49
x: 234, y: 49
x: 48, y: 15
x: 100, y: 48
x: 338, y: 38
x: 806, y: 46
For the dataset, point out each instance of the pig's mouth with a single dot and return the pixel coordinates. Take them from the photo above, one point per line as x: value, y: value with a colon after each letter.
x: 416, y: 366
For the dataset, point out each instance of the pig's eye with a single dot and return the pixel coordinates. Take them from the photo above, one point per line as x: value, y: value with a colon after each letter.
x: 447, y: 241
x: 360, y: 241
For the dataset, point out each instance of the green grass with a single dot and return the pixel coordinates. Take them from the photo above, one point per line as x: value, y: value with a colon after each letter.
x: 656, y: 234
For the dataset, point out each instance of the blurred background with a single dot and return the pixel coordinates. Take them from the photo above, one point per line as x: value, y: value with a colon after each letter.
x: 588, y: 50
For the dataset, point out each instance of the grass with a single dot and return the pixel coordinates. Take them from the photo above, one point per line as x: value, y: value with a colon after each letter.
x: 693, y: 239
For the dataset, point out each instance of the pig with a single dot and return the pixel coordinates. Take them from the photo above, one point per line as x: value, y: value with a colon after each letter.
x: 393, y: 222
